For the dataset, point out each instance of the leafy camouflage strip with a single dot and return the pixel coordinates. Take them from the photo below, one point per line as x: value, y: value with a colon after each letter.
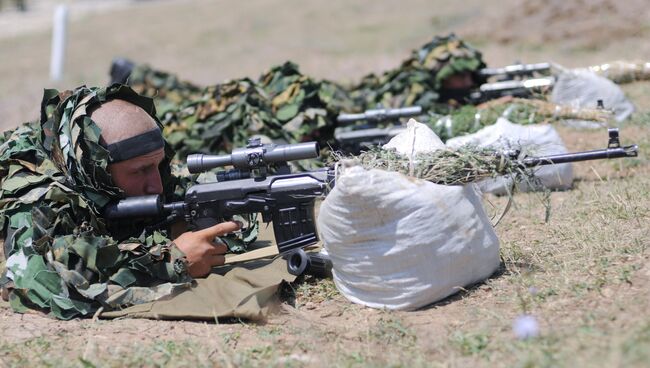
x: 167, y: 89
x: 419, y: 78
x: 62, y: 256
x: 621, y: 71
x: 283, y: 105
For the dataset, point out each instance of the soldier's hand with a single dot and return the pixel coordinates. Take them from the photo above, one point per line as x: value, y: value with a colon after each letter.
x: 202, y: 251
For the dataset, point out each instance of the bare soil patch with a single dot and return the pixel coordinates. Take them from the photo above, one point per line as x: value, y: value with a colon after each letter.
x: 588, y: 24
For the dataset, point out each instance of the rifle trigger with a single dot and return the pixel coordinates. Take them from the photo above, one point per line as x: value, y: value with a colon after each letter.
x: 233, y: 205
x: 613, y: 138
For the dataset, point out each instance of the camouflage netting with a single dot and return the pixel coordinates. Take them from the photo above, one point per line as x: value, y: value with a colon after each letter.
x: 283, y: 105
x: 167, y: 90
x: 306, y: 107
x: 470, y: 119
x: 222, y: 119
x: 419, y: 79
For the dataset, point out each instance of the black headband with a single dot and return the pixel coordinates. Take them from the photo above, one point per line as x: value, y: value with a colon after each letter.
x: 136, y: 146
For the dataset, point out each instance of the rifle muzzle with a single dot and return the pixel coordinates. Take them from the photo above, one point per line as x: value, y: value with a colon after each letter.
x: 142, y: 206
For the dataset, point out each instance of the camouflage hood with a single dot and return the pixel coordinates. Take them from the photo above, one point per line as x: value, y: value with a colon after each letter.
x: 444, y: 56
x: 419, y: 78
x: 70, y: 138
x: 63, y: 148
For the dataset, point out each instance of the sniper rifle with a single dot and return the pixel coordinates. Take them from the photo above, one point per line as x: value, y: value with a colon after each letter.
x: 286, y: 199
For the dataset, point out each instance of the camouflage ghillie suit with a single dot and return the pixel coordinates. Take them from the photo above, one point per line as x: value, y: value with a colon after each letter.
x: 62, y: 256
x: 222, y: 119
x: 306, y: 107
x: 419, y: 79
x: 167, y: 90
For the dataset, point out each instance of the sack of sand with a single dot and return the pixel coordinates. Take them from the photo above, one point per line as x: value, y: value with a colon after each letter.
x: 584, y: 88
x: 401, y: 242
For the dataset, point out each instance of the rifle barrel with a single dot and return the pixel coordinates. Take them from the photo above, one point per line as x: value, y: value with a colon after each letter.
x: 600, y: 154
x: 515, y: 84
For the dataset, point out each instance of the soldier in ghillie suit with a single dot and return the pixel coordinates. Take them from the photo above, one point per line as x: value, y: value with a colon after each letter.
x: 438, y: 76
x: 225, y: 117
x: 307, y: 108
x: 93, y: 146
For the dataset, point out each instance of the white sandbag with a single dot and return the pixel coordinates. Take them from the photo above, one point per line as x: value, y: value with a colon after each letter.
x: 417, y: 138
x: 402, y: 243
x: 583, y: 88
x: 536, y: 140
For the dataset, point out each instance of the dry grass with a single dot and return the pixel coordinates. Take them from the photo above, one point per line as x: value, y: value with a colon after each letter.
x: 583, y: 275
x: 449, y: 167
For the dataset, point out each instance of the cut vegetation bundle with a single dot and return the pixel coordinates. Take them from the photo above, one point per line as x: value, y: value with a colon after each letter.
x: 446, y: 166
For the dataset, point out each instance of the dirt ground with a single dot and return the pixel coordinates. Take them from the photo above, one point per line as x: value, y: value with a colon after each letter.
x: 583, y: 275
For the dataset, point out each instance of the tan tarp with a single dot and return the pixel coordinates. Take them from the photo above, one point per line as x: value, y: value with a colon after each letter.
x: 247, y: 291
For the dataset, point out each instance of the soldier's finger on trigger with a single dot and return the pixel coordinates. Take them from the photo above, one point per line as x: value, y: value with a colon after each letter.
x: 213, y: 250
x: 221, y: 248
x: 218, y: 259
x: 220, y: 229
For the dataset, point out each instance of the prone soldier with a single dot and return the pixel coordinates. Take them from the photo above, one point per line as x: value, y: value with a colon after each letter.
x: 93, y: 146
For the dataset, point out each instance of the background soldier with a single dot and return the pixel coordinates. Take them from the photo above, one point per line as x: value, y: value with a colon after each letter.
x: 437, y: 76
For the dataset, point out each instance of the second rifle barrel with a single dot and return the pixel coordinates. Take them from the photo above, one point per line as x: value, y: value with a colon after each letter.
x: 381, y: 114
x: 515, y: 69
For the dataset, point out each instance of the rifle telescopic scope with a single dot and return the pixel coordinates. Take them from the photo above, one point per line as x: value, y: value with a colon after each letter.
x: 252, y: 157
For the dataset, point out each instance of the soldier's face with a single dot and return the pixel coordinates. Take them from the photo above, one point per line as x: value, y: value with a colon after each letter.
x: 459, y: 81
x: 139, y: 175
